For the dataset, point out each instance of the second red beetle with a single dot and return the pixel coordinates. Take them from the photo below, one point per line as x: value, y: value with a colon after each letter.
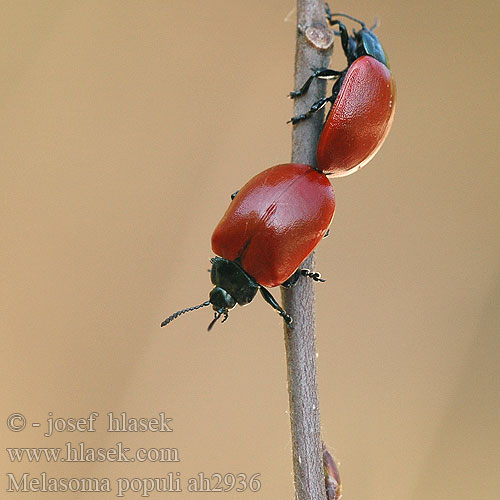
x: 363, y: 102
x: 273, y: 223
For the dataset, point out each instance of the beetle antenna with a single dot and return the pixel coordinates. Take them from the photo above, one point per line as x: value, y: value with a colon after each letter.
x: 178, y: 313
x: 363, y: 25
x: 375, y: 24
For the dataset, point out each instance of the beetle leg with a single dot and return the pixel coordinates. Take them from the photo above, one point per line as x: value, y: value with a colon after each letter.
x: 272, y: 302
x: 292, y: 280
x: 315, y: 276
x: 234, y: 194
x: 344, y: 34
x: 322, y: 73
x: 326, y: 234
x: 315, y: 107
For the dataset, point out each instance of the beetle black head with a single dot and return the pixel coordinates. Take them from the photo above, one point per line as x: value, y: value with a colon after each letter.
x: 221, y: 302
x: 232, y: 286
x: 368, y: 44
x: 362, y: 43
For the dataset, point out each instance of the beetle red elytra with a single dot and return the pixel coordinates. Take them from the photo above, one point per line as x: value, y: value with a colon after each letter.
x: 272, y: 224
x: 363, y: 102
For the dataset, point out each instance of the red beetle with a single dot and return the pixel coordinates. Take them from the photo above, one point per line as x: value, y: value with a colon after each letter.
x: 363, y: 102
x: 273, y: 223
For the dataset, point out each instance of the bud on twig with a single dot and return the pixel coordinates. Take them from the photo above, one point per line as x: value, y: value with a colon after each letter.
x: 332, y: 476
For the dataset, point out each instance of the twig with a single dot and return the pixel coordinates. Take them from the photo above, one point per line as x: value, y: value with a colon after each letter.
x: 312, y: 39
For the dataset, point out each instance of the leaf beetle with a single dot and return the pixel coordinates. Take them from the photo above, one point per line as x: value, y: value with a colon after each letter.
x: 362, y: 102
x: 271, y: 225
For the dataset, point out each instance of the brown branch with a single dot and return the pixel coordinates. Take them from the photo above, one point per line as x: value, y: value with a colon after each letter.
x: 313, y: 40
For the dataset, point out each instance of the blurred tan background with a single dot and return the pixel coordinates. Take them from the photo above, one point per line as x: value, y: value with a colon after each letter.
x: 124, y: 128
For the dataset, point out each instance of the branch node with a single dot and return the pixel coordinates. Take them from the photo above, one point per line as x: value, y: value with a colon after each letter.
x: 319, y: 36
